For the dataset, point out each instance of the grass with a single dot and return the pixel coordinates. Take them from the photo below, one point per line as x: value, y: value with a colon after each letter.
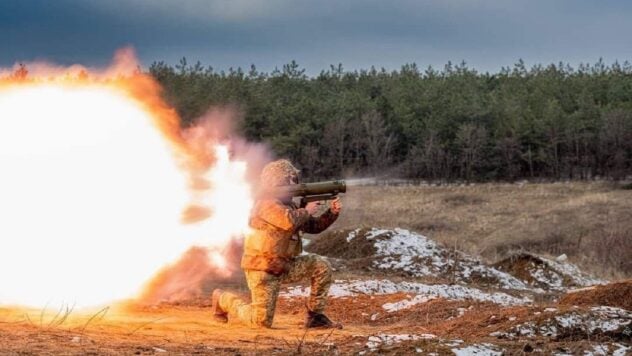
x: 591, y: 222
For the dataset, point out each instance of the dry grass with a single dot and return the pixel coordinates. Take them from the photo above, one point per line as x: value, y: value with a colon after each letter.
x: 591, y: 222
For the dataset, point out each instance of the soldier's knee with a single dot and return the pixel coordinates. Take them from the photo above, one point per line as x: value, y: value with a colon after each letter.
x: 324, y: 263
x: 323, y: 266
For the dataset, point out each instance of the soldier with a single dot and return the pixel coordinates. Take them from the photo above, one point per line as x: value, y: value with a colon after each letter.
x: 272, y: 256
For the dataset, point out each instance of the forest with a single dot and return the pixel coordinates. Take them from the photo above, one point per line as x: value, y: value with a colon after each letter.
x: 546, y: 122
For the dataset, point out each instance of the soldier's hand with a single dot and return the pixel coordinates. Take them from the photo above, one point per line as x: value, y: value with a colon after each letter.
x: 312, y: 207
x: 336, y: 206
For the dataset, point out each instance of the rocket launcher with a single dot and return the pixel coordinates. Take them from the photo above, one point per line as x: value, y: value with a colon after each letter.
x: 309, y: 192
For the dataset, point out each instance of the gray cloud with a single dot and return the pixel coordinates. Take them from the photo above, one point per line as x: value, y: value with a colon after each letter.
x: 269, y: 33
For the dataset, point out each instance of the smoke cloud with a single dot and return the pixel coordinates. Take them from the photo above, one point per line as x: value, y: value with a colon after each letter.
x: 201, y: 269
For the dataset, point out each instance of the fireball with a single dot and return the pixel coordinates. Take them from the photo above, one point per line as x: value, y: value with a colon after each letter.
x: 93, y: 183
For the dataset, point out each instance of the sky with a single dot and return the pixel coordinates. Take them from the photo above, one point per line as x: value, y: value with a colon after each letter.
x: 486, y: 34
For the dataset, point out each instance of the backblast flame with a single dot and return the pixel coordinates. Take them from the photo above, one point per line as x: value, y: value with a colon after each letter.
x: 90, y: 193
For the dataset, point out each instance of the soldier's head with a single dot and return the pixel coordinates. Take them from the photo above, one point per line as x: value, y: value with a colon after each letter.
x: 279, y: 172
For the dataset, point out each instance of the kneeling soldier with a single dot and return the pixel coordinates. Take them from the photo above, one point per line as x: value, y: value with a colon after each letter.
x: 272, y: 256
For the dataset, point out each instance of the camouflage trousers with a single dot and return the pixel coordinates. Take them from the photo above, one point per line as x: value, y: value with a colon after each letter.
x: 264, y: 290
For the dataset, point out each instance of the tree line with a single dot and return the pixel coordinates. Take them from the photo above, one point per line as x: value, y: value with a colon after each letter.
x: 543, y: 122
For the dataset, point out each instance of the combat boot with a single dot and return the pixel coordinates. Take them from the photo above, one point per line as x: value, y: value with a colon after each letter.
x: 319, y: 320
x: 217, y: 312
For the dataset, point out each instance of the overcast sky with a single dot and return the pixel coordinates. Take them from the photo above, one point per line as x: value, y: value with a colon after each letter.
x: 386, y: 33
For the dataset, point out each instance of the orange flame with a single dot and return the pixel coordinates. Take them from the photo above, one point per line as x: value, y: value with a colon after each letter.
x: 94, y: 184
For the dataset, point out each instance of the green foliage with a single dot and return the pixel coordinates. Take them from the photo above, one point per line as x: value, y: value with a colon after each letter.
x: 545, y: 122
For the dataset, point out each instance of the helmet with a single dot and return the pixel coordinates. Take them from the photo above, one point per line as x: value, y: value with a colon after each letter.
x: 279, y: 172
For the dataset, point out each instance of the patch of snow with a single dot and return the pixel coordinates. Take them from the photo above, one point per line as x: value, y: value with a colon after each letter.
x: 375, y: 232
x: 571, y: 271
x: 461, y: 311
x: 374, y: 342
x: 453, y: 343
x: 621, y: 350
x: 348, y: 288
x: 417, y: 255
x: 352, y: 235
x: 601, y: 350
x: 598, y: 319
x: 406, y: 303
x: 478, y: 349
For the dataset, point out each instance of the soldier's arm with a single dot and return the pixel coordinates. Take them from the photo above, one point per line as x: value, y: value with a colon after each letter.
x: 315, y: 225
x: 281, y: 216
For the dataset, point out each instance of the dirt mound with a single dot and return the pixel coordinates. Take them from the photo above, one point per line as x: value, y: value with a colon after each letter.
x: 543, y: 273
x: 405, y: 253
x: 614, y: 294
x: 343, y: 244
x: 596, y: 323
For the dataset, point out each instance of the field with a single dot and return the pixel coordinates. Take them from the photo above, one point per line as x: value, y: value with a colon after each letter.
x: 419, y: 269
x: 591, y: 222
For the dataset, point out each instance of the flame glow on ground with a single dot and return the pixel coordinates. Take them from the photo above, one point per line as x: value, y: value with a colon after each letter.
x: 91, y: 196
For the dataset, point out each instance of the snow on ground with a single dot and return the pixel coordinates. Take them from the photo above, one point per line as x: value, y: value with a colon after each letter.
x: 546, y: 273
x: 352, y: 235
x: 416, y: 255
x: 479, y: 349
x: 406, y: 303
x: 374, y: 342
x: 571, y: 271
x: 621, y: 350
x: 347, y: 288
x: 600, y: 319
x: 405, y: 252
x: 615, y: 349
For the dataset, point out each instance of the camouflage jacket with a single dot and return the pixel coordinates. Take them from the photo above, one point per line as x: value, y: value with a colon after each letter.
x: 275, y: 238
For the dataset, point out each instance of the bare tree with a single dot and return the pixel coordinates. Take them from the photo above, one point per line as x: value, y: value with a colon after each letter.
x: 335, y: 143
x: 615, y: 137
x: 427, y: 157
x: 509, y: 149
x: 377, y: 141
x: 471, y: 140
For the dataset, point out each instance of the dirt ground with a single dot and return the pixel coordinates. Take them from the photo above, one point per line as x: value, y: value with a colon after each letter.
x: 188, y: 329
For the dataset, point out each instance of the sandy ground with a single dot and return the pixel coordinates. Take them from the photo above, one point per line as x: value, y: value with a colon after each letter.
x: 440, y: 326
x: 164, y: 329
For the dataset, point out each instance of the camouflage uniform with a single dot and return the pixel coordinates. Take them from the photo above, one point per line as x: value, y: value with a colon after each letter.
x: 272, y: 253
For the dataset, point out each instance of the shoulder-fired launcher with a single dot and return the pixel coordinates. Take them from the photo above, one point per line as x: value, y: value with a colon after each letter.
x: 310, y: 192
